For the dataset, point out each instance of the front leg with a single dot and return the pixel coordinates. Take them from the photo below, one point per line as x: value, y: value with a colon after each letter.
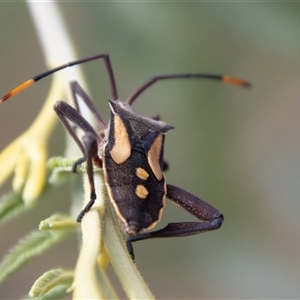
x: 91, y: 149
x: 211, y: 217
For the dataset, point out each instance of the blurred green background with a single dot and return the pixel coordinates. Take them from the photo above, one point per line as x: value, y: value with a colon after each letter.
x: 238, y: 149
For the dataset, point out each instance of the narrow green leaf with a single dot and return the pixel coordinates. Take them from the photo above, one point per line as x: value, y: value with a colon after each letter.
x: 61, y: 162
x: 28, y: 248
x: 50, y: 280
x: 58, y: 292
x: 11, y: 205
x: 61, y: 169
x: 58, y: 222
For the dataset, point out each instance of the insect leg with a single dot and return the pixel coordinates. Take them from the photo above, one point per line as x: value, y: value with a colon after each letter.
x: 211, y: 217
x: 91, y: 152
x: 77, y: 90
x: 88, y: 146
x: 77, y: 163
x: 66, y: 113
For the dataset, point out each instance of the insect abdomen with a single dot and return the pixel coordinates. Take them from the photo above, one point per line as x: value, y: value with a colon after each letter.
x: 138, y: 196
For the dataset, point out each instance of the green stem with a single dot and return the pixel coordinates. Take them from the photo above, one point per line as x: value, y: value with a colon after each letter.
x: 130, y: 278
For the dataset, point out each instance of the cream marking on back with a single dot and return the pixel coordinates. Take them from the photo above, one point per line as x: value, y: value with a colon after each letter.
x: 141, y: 191
x: 121, y: 150
x: 153, y: 156
x: 141, y: 173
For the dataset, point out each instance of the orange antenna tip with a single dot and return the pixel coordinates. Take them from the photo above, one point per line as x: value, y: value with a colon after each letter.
x: 5, y: 97
x: 17, y: 89
x: 236, y: 81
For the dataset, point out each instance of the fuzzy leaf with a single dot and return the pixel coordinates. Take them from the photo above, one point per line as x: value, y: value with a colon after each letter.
x: 50, y: 280
x: 58, y: 221
x: 28, y: 248
x: 58, y: 292
x: 61, y: 168
x: 61, y: 162
x: 11, y: 205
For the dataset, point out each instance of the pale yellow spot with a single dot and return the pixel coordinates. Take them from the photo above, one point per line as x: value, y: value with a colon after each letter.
x: 141, y: 191
x: 121, y: 150
x: 142, y: 174
x: 153, y: 156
